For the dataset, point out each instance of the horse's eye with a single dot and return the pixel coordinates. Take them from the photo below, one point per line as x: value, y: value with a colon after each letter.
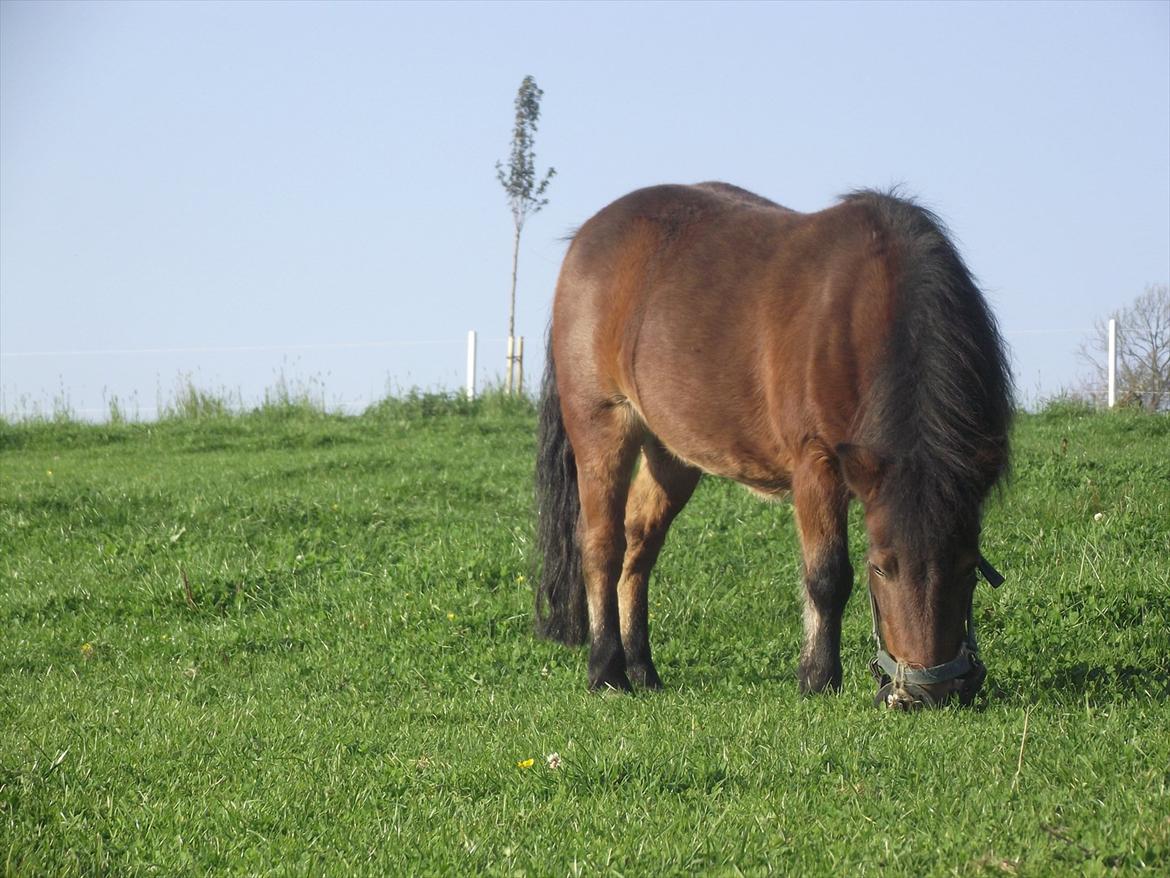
x: 878, y: 570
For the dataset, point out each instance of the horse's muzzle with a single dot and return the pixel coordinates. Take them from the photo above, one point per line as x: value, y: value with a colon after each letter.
x: 902, y: 686
x: 915, y: 696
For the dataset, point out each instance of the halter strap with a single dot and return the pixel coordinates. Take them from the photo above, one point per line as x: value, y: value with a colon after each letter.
x: 886, y: 668
x: 994, y: 577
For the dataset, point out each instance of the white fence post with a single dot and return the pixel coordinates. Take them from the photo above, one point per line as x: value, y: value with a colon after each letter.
x: 471, y: 364
x: 520, y: 367
x: 1112, y: 362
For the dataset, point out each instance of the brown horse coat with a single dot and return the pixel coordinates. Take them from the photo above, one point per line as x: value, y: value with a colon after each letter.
x: 732, y: 333
x: 710, y: 330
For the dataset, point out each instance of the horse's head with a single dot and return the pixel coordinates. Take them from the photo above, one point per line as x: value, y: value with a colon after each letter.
x: 922, y: 569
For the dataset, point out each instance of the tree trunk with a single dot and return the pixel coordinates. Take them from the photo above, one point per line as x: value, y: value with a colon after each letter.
x: 512, y: 309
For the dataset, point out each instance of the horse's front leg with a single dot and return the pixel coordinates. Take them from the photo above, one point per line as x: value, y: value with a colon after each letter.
x: 822, y: 504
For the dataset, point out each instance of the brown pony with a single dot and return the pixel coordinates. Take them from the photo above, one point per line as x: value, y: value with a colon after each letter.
x: 833, y: 354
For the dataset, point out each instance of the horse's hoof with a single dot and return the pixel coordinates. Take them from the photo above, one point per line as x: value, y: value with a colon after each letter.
x: 815, y: 679
x: 611, y: 683
x: 645, y: 676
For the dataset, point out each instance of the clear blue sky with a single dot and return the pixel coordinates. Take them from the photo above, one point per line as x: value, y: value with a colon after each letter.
x: 286, y: 176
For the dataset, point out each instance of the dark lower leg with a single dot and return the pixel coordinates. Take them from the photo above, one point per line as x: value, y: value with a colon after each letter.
x: 827, y: 586
x: 822, y: 504
x: 635, y: 615
x: 607, y: 660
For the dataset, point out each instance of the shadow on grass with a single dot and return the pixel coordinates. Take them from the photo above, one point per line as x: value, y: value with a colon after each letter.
x: 1110, y: 683
x: 217, y: 596
x: 1083, y: 682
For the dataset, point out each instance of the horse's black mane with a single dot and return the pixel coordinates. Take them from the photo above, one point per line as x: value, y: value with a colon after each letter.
x: 941, y: 406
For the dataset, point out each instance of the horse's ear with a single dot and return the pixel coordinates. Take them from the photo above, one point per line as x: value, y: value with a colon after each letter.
x: 862, y: 469
x: 991, y: 462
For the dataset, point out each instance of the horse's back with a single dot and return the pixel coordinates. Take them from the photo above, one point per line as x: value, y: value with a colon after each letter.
x: 731, y: 324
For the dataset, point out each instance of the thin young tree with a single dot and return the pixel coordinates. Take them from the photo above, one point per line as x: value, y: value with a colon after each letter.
x: 524, y: 187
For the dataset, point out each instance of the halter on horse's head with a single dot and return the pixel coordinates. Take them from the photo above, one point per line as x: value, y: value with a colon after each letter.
x: 905, y: 687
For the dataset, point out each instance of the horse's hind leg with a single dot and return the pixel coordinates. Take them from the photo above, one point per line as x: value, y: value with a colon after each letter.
x: 660, y: 490
x: 605, y: 440
x: 822, y: 504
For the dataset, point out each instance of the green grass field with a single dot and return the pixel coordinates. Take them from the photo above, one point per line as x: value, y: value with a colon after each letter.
x: 348, y: 682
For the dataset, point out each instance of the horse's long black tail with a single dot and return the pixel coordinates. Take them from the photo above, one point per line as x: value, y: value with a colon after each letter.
x: 561, y: 612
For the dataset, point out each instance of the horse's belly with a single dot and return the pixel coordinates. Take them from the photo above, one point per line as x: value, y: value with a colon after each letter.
x: 721, y: 449
x: 759, y: 476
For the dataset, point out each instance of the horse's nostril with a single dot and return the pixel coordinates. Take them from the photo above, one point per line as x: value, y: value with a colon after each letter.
x: 900, y: 699
x: 923, y: 688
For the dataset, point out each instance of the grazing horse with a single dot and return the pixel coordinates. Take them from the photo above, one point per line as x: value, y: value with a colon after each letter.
x: 845, y: 353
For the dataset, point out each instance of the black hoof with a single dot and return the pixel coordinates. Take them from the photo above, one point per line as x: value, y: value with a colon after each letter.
x: 645, y: 676
x: 609, y: 672
x: 816, y: 678
x: 610, y: 683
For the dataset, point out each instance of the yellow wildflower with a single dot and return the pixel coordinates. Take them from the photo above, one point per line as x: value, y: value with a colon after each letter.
x: 526, y: 763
